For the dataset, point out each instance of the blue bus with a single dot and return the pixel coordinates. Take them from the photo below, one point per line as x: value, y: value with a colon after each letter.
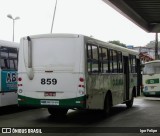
x: 8, y: 72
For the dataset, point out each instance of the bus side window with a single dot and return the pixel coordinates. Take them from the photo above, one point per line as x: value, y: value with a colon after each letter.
x: 101, y: 60
x: 95, y: 65
x: 132, y: 63
x: 89, y: 58
x: 104, y: 60
x: 13, y: 56
x: 2, y: 64
x: 4, y: 57
x: 8, y: 57
x: 111, y: 61
x: 11, y: 62
x: 92, y: 59
x: 115, y: 62
x: 16, y: 64
x: 120, y: 66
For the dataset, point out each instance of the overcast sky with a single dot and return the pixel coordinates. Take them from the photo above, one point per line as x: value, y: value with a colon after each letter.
x: 88, y: 17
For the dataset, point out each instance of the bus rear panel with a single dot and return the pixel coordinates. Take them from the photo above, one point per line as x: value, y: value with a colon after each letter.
x: 55, y: 77
x: 151, y: 78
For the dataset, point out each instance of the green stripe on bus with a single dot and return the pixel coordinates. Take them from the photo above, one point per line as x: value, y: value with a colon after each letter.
x: 78, y: 102
x: 156, y: 93
x: 152, y: 81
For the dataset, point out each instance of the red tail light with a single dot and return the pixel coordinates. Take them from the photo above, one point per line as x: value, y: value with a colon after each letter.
x: 81, y: 79
x: 19, y: 79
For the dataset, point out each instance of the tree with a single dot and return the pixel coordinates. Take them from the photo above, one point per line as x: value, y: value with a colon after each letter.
x: 118, y: 43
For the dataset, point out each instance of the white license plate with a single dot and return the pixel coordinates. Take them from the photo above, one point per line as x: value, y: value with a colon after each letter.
x: 49, y: 102
x: 153, y: 93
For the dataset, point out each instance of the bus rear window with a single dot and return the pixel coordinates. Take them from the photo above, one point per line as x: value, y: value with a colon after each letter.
x: 57, y: 53
x: 152, y: 68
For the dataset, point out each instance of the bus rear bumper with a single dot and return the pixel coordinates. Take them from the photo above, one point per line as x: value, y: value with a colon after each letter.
x: 71, y: 103
x: 153, y: 93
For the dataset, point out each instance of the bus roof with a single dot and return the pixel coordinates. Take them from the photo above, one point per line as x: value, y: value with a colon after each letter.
x: 90, y: 39
x: 56, y: 35
x: 154, y: 61
x: 9, y: 44
x: 114, y: 46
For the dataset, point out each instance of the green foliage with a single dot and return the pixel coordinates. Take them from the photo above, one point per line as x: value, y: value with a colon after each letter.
x: 118, y: 43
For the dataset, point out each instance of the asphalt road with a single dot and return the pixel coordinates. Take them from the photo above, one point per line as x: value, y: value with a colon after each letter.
x: 122, y: 121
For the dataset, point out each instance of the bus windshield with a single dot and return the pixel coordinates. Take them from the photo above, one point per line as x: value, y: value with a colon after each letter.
x: 151, y: 68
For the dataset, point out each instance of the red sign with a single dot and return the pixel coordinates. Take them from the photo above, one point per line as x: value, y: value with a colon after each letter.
x: 49, y: 93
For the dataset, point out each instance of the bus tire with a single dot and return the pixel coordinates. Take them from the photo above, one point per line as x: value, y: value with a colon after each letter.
x: 129, y: 103
x: 57, y: 112
x: 107, y: 104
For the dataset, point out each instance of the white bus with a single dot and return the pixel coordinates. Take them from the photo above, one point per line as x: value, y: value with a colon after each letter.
x: 8, y: 73
x: 151, y: 78
x: 71, y: 71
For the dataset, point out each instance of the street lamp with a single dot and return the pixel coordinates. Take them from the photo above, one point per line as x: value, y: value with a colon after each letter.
x: 16, y: 18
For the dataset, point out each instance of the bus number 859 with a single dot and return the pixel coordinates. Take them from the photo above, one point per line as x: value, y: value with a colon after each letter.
x: 48, y: 81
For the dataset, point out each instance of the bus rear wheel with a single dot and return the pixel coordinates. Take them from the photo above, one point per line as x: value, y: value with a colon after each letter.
x: 107, y: 105
x: 57, y: 112
x: 129, y: 103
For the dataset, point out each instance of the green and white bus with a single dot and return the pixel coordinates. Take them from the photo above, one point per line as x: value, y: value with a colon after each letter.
x: 151, y: 78
x: 71, y: 71
x: 8, y: 73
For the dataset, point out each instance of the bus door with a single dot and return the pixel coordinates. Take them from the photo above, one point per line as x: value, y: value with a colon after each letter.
x: 139, y: 77
x: 126, y: 77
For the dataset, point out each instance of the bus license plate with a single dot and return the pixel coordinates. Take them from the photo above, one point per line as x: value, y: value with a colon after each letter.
x: 49, y: 94
x: 49, y: 102
x: 152, y: 93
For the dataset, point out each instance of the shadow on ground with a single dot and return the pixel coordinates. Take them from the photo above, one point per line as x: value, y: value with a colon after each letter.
x: 13, y: 109
x: 83, y: 117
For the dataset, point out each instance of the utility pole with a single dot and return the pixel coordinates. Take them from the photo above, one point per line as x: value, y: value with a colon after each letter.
x: 53, y: 16
x: 156, y: 47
